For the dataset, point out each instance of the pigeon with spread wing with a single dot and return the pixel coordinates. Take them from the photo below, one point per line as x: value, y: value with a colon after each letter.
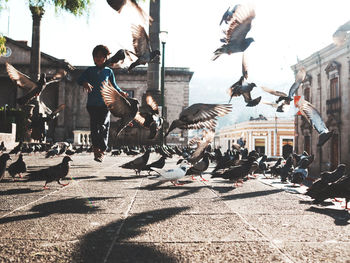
x: 119, y: 5
x: 299, y: 78
x: 340, y: 35
x: 200, y: 116
x: 244, y: 88
x: 235, y: 36
x: 312, y: 115
x: 149, y: 117
x: 142, y: 47
x: 33, y: 87
x: 121, y: 107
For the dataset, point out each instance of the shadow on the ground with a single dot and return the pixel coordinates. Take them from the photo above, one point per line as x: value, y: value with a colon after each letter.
x: 341, y: 217
x: 251, y: 194
x: 66, y: 206
x: 121, y: 178
x: 19, y: 191
x: 223, y: 189
x: 111, y: 243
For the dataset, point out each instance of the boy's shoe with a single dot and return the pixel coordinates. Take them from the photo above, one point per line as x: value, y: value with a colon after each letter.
x: 97, y: 154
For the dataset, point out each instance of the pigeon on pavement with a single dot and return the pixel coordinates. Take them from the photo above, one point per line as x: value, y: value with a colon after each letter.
x: 53, y: 173
x: 3, y: 159
x: 138, y: 164
x: 172, y: 175
x: 18, y: 167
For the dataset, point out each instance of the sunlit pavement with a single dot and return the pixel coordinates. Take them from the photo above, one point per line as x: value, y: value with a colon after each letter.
x: 108, y: 214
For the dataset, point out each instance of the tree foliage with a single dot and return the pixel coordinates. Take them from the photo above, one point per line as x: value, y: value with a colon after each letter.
x: 76, y: 7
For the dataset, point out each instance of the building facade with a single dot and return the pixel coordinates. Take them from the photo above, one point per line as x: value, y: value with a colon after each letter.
x: 270, y: 136
x: 75, y: 116
x: 327, y: 87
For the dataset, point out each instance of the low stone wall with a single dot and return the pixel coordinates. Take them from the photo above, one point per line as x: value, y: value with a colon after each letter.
x: 9, y: 139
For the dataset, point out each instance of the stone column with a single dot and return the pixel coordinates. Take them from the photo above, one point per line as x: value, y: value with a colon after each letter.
x: 153, y: 72
x: 35, y: 58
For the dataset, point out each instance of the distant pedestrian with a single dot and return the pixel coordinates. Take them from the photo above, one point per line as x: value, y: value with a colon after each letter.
x: 91, y: 79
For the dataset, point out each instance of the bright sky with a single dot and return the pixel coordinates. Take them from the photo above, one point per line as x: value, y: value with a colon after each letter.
x: 282, y: 31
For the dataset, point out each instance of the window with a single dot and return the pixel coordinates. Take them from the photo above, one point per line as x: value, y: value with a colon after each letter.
x: 334, y: 88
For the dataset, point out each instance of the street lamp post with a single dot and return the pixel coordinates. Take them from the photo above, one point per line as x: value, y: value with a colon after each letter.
x: 163, y: 37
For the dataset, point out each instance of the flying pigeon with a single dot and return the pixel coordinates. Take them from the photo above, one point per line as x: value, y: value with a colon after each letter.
x: 340, y: 35
x: 119, y: 5
x: 122, y: 107
x: 235, y: 36
x: 142, y: 47
x: 199, y: 116
x: 207, y: 138
x: 149, y: 117
x: 228, y: 14
x: 137, y: 164
x: 238, y: 172
x: 18, y: 167
x: 34, y: 88
x: 244, y: 88
x: 309, y: 111
x: 53, y: 173
x: 3, y: 159
x: 299, y: 78
x: 172, y: 175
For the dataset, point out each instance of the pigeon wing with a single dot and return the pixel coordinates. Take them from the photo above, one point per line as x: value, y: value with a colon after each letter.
x: 247, y: 97
x: 274, y: 92
x: 140, y: 40
x: 152, y: 103
x: 299, y: 78
x: 19, y: 78
x: 202, y: 112
x: 118, y: 105
x: 207, y: 138
x: 240, y: 23
x: 313, y: 116
x: 339, y: 36
x: 244, y: 66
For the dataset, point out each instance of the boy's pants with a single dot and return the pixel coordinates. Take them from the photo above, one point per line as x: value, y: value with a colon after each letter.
x: 99, y: 126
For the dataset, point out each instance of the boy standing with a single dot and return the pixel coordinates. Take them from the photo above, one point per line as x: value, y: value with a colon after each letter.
x: 91, y: 79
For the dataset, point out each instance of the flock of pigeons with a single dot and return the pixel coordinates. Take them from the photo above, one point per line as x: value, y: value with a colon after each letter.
x: 236, y: 165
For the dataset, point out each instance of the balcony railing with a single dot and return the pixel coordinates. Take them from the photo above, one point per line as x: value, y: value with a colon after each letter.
x: 333, y: 105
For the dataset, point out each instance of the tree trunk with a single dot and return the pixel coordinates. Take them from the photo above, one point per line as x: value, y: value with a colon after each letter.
x: 35, y: 56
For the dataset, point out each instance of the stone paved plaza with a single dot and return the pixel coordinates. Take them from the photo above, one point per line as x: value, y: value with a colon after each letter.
x: 108, y: 214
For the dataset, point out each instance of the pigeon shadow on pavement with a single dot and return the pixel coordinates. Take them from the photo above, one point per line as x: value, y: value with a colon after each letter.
x: 121, y: 178
x: 341, y: 217
x: 66, y: 206
x: 19, y: 191
x: 96, y: 246
x: 251, y: 194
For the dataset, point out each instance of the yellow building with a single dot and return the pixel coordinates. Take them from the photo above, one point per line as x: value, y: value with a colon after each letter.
x: 270, y: 136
